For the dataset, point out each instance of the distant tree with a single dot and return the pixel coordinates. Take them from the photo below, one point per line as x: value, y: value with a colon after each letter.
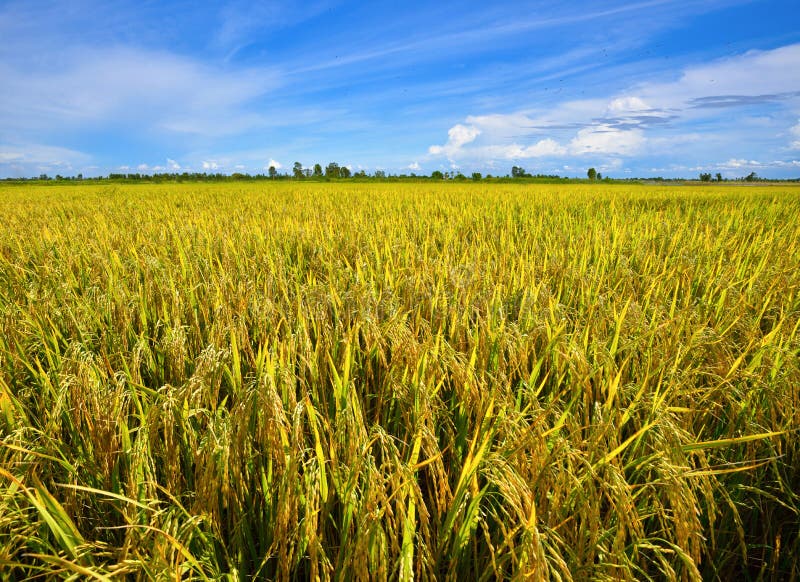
x: 436, y: 175
x: 719, y: 177
x: 380, y: 174
x: 592, y: 174
x: 751, y: 177
x: 297, y: 170
x: 317, y: 171
x: 273, y: 171
x: 476, y: 176
x: 344, y: 172
x: 705, y: 177
x: 332, y: 170
x: 80, y: 176
x: 518, y: 172
x: 599, y: 176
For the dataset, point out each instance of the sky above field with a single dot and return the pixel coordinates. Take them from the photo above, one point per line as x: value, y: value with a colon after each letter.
x: 669, y: 88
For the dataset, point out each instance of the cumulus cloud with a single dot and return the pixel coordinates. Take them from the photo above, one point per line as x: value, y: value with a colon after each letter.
x: 173, y: 165
x: 274, y: 164
x: 209, y: 165
x: 414, y: 166
x: 647, y: 119
x: 629, y: 104
x: 458, y: 136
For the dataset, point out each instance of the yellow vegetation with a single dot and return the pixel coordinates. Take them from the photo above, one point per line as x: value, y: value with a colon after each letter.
x: 432, y: 381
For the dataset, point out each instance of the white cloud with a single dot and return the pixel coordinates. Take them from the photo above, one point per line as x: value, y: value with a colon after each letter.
x: 273, y: 163
x: 41, y: 154
x: 126, y: 86
x: 737, y: 164
x: 414, y: 167
x: 173, y: 165
x: 734, y: 163
x: 210, y: 165
x: 795, y: 131
x: 543, y: 148
x: 605, y: 139
x: 752, y: 74
x: 647, y: 119
x: 458, y: 136
x: 629, y: 104
x: 24, y: 160
x: 241, y: 21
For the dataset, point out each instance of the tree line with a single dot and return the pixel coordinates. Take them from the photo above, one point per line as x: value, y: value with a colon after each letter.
x: 335, y: 171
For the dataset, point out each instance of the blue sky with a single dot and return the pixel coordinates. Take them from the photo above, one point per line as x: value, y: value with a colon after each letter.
x: 657, y: 87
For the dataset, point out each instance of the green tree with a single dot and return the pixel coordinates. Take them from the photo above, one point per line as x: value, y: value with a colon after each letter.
x: 476, y: 176
x: 273, y: 171
x: 317, y: 171
x: 592, y: 173
x: 437, y: 175
x: 297, y: 170
x: 719, y: 177
x: 344, y: 172
x: 705, y: 177
x: 332, y: 170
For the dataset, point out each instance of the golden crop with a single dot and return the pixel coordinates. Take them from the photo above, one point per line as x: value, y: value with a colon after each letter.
x: 440, y: 381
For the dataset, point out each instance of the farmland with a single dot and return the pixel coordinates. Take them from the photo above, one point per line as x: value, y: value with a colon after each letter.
x: 437, y: 381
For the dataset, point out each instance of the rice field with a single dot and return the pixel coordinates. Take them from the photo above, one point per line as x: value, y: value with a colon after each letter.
x: 399, y: 381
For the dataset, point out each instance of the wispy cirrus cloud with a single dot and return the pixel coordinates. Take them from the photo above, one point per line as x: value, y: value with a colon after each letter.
x: 145, y: 89
x: 726, y: 101
x: 241, y: 22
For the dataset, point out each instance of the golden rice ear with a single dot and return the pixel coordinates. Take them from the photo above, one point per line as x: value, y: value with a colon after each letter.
x: 277, y: 380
